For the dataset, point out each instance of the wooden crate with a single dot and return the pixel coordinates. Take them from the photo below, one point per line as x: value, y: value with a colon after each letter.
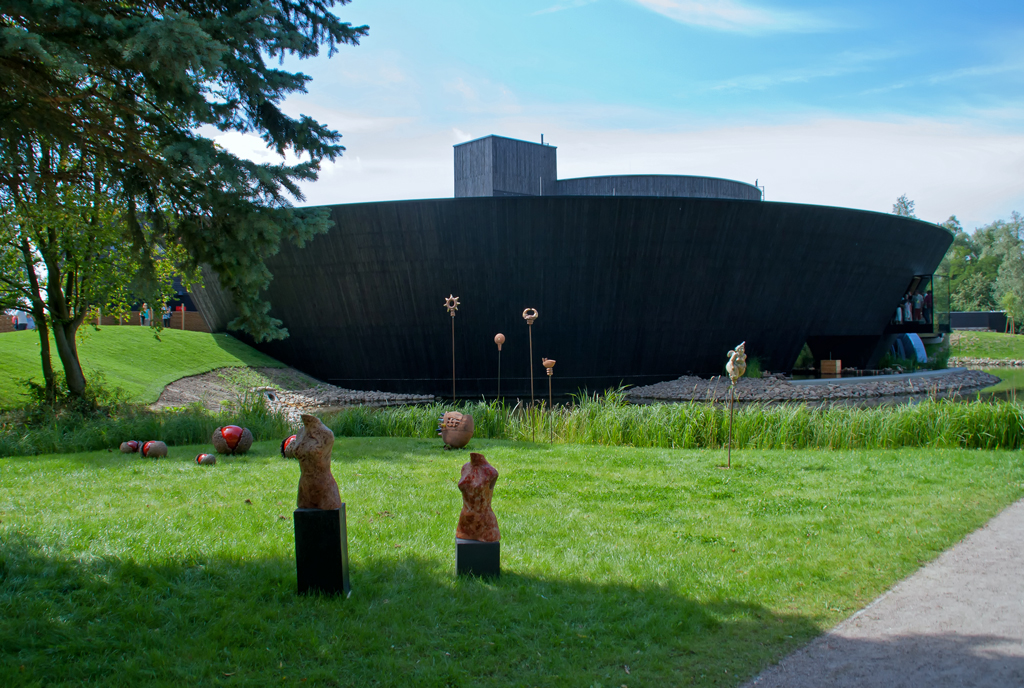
x: 832, y: 367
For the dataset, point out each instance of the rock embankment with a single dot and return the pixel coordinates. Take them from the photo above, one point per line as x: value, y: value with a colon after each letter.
x: 776, y: 388
x: 328, y: 397
x: 985, y: 363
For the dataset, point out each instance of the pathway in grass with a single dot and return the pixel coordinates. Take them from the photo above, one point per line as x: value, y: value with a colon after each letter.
x: 637, y: 567
x: 133, y: 358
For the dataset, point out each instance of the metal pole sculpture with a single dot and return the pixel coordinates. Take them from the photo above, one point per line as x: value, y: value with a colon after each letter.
x: 549, y: 363
x: 499, y: 339
x: 452, y: 304
x: 529, y: 315
x: 736, y: 367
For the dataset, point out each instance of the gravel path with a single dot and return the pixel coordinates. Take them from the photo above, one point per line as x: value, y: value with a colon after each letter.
x: 958, y: 621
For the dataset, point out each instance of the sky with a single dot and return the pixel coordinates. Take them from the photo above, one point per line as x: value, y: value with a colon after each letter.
x: 849, y: 104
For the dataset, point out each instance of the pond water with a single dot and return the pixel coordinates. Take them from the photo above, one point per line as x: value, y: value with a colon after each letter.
x: 1011, y: 386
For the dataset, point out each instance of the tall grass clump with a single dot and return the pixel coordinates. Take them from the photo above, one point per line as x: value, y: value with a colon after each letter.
x: 51, y: 432
x: 609, y: 420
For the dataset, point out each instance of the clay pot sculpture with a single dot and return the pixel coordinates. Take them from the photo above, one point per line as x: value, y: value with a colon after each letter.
x: 312, y: 447
x: 130, y: 447
x: 154, y: 449
x: 456, y: 429
x: 231, y: 439
x: 477, y: 521
x: 288, y: 447
x: 206, y: 459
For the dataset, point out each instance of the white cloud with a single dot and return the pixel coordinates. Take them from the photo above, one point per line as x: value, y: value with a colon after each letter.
x: 568, y: 5
x: 844, y: 63
x: 946, y: 168
x: 727, y: 15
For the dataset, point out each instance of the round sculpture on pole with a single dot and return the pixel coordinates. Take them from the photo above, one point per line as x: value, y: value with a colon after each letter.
x: 499, y: 339
x: 530, y: 315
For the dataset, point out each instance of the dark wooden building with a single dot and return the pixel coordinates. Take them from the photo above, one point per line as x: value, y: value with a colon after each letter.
x: 631, y: 288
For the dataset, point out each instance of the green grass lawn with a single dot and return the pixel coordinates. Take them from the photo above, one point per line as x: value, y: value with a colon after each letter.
x: 133, y: 358
x: 967, y: 344
x: 621, y: 566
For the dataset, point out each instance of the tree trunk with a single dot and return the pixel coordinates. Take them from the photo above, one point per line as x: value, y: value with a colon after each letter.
x: 44, y: 354
x: 67, y: 349
x: 39, y: 315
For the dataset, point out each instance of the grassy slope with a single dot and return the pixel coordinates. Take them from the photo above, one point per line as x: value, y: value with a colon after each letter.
x: 987, y: 345
x: 161, y: 573
x: 129, y: 357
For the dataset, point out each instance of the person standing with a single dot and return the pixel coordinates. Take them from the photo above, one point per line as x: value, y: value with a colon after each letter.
x: 167, y: 315
x: 142, y: 313
x: 928, y: 307
x: 918, y: 301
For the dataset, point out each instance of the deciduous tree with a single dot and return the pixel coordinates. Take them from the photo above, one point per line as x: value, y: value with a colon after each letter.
x: 129, y: 91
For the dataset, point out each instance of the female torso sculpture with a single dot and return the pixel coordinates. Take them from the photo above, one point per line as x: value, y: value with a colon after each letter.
x: 312, y: 447
x: 477, y: 521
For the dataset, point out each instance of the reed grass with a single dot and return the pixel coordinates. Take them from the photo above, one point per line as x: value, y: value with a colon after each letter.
x: 609, y: 420
x: 590, y: 419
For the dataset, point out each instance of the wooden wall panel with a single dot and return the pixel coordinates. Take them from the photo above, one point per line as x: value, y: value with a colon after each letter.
x: 658, y: 185
x: 629, y: 289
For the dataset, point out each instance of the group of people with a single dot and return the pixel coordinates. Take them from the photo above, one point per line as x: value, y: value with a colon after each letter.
x: 915, y: 307
x: 23, y: 320
x: 146, y: 315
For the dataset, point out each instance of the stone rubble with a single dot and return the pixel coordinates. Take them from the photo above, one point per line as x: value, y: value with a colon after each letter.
x: 294, y: 403
x: 985, y: 363
x: 776, y: 388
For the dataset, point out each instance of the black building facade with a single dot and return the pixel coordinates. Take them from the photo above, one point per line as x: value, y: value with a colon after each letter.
x: 656, y: 279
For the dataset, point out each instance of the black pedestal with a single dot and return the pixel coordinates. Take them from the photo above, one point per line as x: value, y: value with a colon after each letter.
x: 475, y: 558
x: 321, y: 551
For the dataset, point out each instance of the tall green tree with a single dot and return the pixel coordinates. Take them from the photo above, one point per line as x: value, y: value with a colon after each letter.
x: 1008, y: 289
x: 903, y: 207
x: 129, y: 90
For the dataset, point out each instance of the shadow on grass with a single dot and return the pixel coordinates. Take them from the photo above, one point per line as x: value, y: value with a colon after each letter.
x: 409, y: 621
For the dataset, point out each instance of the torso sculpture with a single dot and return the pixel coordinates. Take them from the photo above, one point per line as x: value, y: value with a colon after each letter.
x: 737, y: 365
x: 312, y: 447
x: 477, y: 521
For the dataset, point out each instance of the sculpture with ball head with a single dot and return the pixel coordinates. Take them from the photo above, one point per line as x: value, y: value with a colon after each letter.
x: 549, y: 363
x: 530, y: 315
x: 499, y: 339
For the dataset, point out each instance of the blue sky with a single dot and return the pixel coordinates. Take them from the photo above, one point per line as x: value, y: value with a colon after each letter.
x: 848, y: 104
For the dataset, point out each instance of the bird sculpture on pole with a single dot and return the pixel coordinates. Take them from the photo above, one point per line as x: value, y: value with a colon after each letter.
x: 737, y: 368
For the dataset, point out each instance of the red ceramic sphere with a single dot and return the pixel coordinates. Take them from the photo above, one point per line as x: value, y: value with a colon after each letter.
x: 231, y: 434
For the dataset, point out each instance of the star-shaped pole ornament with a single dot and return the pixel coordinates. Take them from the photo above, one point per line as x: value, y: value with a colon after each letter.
x: 452, y: 305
